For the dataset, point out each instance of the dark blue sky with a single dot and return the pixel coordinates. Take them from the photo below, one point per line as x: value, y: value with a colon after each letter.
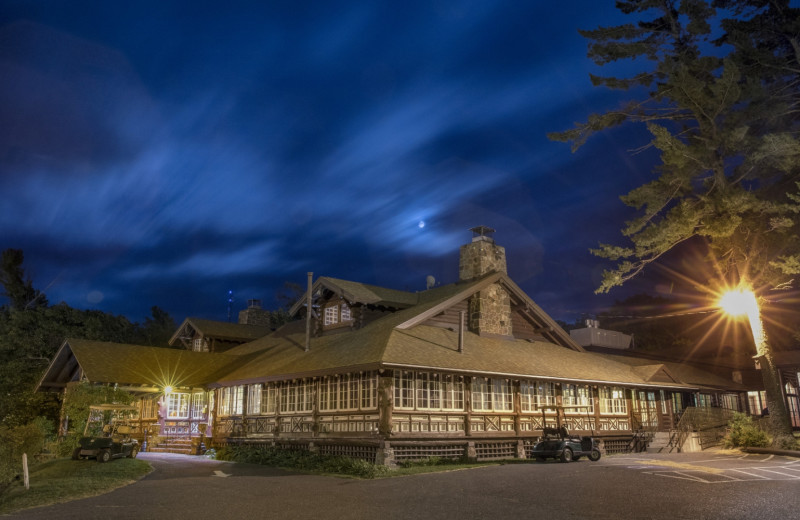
x: 163, y: 153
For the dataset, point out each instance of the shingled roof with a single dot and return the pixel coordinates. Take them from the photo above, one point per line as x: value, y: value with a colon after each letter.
x: 133, y: 365
x: 220, y: 329
x: 356, y: 292
x: 399, y: 340
x: 402, y: 340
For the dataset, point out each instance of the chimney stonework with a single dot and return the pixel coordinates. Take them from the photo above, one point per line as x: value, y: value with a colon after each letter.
x: 490, y: 309
x: 490, y: 312
x: 480, y: 257
x: 254, y: 314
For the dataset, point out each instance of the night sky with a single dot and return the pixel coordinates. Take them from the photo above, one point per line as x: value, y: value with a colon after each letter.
x: 164, y: 153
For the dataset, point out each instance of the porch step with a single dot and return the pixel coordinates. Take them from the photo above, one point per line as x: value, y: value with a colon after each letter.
x: 172, y: 445
x: 658, y: 443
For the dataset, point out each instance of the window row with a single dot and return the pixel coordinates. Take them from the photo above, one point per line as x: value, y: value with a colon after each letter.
x: 431, y: 391
x: 178, y: 405
x: 442, y: 392
x: 339, y: 393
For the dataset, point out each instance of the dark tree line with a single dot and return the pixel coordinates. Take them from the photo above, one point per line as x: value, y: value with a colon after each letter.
x: 32, y: 330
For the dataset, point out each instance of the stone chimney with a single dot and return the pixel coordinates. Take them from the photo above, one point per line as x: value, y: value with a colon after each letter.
x: 254, y: 314
x: 481, y: 256
x: 489, y: 309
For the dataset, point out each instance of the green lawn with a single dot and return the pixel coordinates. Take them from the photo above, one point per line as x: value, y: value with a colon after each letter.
x: 62, y: 480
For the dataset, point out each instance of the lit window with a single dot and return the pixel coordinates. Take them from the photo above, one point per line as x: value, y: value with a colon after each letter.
x: 200, y: 345
x: 428, y: 391
x: 198, y: 405
x: 231, y: 398
x: 579, y: 397
x: 335, y: 314
x: 254, y: 399
x: 612, y: 400
x: 269, y: 394
x: 332, y: 315
x: 149, y: 408
x: 296, y: 397
x: 178, y: 406
x: 491, y: 394
x: 644, y: 404
x: 347, y: 392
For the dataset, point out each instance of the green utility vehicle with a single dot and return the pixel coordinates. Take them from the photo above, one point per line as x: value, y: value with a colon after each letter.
x: 108, y: 434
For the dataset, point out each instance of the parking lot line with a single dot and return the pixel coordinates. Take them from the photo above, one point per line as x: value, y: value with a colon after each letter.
x: 755, y: 475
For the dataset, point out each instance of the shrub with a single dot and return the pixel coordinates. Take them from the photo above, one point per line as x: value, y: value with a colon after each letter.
x: 433, y: 461
x: 745, y: 433
x: 300, y: 459
x: 29, y: 438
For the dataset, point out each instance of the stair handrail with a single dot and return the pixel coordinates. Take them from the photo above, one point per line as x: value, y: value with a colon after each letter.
x: 700, y: 419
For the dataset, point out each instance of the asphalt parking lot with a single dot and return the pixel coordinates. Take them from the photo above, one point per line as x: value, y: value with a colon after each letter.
x: 714, y: 469
x: 648, y: 486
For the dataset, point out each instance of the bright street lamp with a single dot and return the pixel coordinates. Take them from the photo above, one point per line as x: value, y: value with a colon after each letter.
x: 743, y: 302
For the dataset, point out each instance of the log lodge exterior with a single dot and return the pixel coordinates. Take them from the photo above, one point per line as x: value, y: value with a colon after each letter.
x: 472, y: 369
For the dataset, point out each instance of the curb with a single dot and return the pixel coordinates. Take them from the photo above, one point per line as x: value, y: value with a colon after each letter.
x: 788, y: 453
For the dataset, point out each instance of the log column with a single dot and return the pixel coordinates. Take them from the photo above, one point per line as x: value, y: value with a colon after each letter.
x: 468, y: 406
x: 385, y: 404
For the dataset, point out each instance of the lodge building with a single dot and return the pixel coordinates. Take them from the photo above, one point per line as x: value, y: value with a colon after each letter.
x: 471, y: 369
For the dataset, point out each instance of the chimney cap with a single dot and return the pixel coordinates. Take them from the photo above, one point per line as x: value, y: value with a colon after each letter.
x: 482, y: 233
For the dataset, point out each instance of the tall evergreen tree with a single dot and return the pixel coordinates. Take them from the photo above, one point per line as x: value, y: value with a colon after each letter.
x: 721, y: 102
x: 19, y: 290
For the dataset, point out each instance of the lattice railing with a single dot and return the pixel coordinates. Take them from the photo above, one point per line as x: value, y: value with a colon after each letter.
x: 444, y: 451
x: 367, y: 453
x: 495, y: 450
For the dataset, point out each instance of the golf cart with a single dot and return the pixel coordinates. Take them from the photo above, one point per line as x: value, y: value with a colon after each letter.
x: 557, y: 443
x: 108, y: 434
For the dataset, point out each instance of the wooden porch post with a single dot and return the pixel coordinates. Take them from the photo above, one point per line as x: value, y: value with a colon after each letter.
x: 596, y: 400
x: 467, y: 406
x: 385, y: 404
x: 315, y: 427
x: 517, y: 408
x: 245, y: 399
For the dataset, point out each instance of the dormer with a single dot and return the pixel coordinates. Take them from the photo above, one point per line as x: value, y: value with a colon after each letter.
x: 336, y: 313
x: 341, y: 305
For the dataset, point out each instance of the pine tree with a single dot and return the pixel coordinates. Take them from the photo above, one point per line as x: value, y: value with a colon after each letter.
x: 19, y: 290
x: 721, y: 102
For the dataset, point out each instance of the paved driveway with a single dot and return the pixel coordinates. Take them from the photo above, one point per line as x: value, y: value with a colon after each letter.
x: 682, y: 486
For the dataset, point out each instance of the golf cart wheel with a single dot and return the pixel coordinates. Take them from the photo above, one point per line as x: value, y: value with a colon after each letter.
x: 76, y: 454
x: 594, y: 456
x: 134, y: 453
x: 104, y: 456
x: 566, y: 455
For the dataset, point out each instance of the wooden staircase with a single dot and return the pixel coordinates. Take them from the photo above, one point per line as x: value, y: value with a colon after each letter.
x: 172, y: 445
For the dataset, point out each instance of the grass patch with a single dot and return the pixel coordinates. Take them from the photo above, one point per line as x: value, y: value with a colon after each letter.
x: 62, y: 480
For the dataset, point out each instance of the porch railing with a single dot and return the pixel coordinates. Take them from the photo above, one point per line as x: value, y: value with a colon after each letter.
x: 710, y: 424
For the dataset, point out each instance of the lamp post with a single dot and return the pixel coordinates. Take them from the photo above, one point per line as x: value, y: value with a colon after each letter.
x: 743, y: 302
